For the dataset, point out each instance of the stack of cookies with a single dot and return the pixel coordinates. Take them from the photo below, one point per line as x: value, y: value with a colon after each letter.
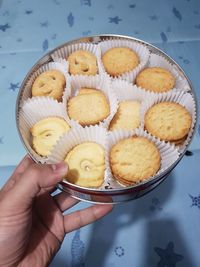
x: 116, y: 88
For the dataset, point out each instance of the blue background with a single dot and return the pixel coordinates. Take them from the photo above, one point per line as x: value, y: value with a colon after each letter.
x: 162, y: 228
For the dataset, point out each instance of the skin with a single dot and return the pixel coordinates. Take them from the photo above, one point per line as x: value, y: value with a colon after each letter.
x: 32, y: 224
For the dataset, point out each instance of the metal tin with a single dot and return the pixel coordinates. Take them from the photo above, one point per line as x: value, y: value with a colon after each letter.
x: 108, y: 195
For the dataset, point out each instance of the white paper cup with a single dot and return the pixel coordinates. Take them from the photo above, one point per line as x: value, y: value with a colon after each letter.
x: 99, y: 82
x: 34, y: 110
x: 181, y: 84
x: 169, y: 154
x: 183, y: 98
x: 141, y: 50
x: 126, y: 91
x: 78, y: 136
x: 61, y: 65
x: 65, y: 51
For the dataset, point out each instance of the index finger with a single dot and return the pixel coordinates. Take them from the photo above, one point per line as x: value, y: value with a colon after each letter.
x: 77, y: 219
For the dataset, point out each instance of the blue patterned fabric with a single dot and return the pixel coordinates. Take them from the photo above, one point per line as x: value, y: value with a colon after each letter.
x: 162, y: 228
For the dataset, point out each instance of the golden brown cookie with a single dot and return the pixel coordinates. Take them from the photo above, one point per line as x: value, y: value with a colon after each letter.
x: 49, y: 83
x: 119, y: 60
x: 168, y: 121
x: 86, y: 90
x: 86, y: 164
x: 46, y: 132
x: 82, y: 62
x: 155, y: 79
x: 179, y: 142
x: 134, y: 159
x: 127, y: 116
x: 89, y: 108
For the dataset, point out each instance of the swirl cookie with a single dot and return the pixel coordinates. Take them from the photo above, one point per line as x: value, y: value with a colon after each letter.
x: 134, y: 159
x: 86, y: 164
x: 46, y: 132
x: 168, y: 121
x: 49, y: 83
x: 119, y: 60
x: 155, y: 79
x: 127, y: 116
x: 82, y: 62
x: 88, y: 107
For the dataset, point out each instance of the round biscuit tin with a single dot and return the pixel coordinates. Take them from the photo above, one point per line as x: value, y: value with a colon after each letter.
x: 108, y: 194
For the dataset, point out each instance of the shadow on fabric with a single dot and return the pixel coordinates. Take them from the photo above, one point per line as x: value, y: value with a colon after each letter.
x: 103, y: 233
x: 165, y: 245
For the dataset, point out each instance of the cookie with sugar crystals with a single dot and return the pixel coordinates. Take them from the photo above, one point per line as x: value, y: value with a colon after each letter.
x: 134, y: 159
x: 119, y: 60
x: 169, y: 121
x: 86, y: 163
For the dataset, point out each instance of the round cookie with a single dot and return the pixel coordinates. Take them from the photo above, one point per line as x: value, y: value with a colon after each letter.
x: 82, y: 62
x: 168, y: 121
x: 127, y: 116
x: 46, y: 132
x: 85, y: 90
x: 119, y: 60
x: 155, y: 79
x: 49, y: 83
x: 89, y: 108
x: 134, y: 159
x: 86, y: 163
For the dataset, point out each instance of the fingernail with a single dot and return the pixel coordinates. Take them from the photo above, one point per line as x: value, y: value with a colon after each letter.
x: 60, y: 167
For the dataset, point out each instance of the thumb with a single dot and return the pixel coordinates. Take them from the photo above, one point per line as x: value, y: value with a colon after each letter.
x: 35, y: 178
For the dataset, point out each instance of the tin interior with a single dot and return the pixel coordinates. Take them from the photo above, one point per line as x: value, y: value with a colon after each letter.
x: 109, y: 191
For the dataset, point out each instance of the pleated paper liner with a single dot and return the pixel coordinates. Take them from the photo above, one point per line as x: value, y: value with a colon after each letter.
x: 78, y: 136
x: 61, y: 65
x: 159, y: 61
x: 183, y: 98
x: 34, y: 110
x: 141, y: 50
x: 126, y: 91
x: 100, y: 82
x: 169, y: 154
x: 65, y: 51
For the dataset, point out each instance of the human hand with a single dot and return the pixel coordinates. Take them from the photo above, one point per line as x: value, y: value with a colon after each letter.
x: 32, y: 224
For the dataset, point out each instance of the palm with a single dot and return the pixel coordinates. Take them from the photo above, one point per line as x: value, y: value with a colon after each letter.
x: 32, y: 224
x: 47, y: 231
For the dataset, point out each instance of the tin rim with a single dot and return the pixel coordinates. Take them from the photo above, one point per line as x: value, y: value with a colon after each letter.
x: 96, y: 39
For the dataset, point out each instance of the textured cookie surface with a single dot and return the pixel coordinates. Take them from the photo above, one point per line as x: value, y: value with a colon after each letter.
x: 168, y: 121
x: 46, y: 132
x: 88, y: 108
x: 127, y: 116
x: 86, y: 90
x: 134, y: 159
x: 86, y: 164
x: 82, y: 62
x: 49, y: 83
x: 155, y: 79
x: 119, y: 60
